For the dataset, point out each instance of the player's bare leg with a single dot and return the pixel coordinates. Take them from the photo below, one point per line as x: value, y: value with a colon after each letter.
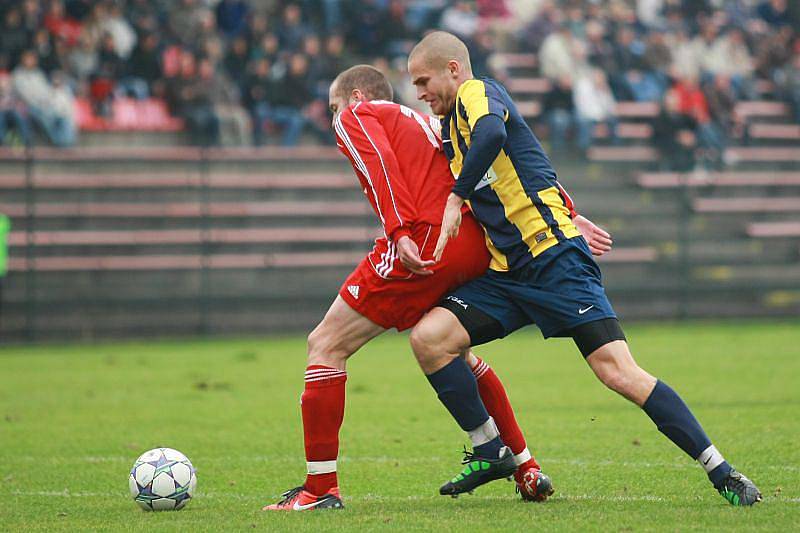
x: 439, y: 341
x: 340, y: 334
x: 614, y: 365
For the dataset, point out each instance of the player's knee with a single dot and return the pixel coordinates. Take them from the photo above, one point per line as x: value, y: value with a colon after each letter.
x: 616, y: 380
x: 424, y: 340
x: 627, y: 380
x: 324, y: 348
x: 429, y: 341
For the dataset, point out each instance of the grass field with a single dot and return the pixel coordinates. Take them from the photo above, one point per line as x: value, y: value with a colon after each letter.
x: 75, y: 417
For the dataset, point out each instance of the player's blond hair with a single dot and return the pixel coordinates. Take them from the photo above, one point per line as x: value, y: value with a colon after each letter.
x: 366, y: 79
x: 440, y: 47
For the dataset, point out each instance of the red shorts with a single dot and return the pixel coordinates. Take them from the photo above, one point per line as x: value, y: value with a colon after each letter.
x: 400, y: 301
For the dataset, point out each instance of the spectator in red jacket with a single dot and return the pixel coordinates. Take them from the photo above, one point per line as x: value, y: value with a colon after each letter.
x: 692, y: 103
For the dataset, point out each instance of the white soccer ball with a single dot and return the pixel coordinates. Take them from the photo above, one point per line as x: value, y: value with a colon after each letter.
x: 162, y: 479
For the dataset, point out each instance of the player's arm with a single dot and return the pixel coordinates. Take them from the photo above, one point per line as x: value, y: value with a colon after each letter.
x: 486, y: 115
x: 368, y: 144
x: 597, y: 238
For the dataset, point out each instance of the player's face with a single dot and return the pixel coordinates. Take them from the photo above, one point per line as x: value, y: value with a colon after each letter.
x: 436, y: 87
x: 337, y: 103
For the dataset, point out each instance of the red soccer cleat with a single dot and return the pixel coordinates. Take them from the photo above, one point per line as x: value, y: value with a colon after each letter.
x: 299, y: 499
x: 533, y: 485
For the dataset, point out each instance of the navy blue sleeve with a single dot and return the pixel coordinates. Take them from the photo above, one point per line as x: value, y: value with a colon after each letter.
x: 488, y: 137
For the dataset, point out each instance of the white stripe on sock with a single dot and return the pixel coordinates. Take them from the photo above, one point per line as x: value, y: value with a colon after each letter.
x: 323, y: 378
x: 480, y: 369
x: 484, y: 433
x: 321, y: 467
x: 322, y: 374
x: 710, y: 458
x: 522, y: 457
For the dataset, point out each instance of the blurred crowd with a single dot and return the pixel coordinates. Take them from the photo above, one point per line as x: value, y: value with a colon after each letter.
x: 257, y: 71
x: 695, y: 58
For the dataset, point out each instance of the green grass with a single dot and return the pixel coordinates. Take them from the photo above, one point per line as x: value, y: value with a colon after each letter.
x: 73, y: 419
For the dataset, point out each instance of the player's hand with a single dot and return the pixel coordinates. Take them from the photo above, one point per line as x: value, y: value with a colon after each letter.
x: 408, y: 251
x: 451, y: 221
x: 598, y: 239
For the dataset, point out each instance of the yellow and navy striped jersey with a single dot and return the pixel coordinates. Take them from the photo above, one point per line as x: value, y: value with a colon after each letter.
x: 518, y: 202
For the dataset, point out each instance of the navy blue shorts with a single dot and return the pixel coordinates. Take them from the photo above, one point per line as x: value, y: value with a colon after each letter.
x: 558, y: 291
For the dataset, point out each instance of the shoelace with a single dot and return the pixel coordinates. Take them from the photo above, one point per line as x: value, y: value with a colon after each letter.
x: 468, y: 456
x: 289, y: 495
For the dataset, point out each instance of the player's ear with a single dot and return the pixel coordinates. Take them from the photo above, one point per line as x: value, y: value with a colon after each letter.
x: 454, y: 68
x: 357, y: 96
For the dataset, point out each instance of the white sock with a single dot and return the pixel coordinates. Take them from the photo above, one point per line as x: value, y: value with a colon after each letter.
x: 710, y: 458
x: 522, y: 457
x: 320, y: 467
x: 484, y: 433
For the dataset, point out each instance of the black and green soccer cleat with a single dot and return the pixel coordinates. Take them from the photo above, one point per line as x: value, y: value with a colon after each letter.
x: 479, y: 471
x: 739, y: 490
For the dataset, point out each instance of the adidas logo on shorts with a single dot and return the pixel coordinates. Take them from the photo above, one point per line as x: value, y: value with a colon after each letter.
x: 353, y: 289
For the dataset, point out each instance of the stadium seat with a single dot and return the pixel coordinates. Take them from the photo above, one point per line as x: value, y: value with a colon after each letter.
x: 189, y: 209
x: 764, y: 108
x: 85, y: 118
x: 631, y: 154
x: 514, y: 60
x: 186, y: 262
x: 529, y: 85
x: 780, y: 204
x: 774, y: 229
x: 165, y: 180
x: 785, y: 132
x: 637, y: 110
x: 129, y: 238
x: 658, y: 180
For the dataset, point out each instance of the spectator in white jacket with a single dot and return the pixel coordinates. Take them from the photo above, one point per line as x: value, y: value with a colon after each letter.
x: 594, y: 104
x: 45, y: 107
x: 730, y: 57
x: 557, y: 56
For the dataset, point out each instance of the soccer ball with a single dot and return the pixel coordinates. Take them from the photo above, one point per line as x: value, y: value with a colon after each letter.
x: 162, y: 479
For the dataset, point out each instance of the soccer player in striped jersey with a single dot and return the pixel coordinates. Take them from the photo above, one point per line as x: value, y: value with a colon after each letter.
x: 397, y: 156
x: 541, y: 271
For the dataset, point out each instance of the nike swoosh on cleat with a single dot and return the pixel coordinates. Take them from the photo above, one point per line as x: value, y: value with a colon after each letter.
x: 298, y: 507
x: 582, y: 311
x: 707, y: 460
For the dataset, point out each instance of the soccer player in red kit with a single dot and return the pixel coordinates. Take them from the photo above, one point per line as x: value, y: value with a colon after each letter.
x: 397, y: 156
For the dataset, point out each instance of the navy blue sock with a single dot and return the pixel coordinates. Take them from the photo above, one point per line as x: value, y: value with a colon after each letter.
x: 718, y: 475
x: 490, y: 450
x: 674, y: 419
x: 457, y: 389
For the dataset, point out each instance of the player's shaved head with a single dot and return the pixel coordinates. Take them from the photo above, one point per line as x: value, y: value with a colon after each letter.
x: 438, y: 48
x: 438, y: 65
x: 366, y: 79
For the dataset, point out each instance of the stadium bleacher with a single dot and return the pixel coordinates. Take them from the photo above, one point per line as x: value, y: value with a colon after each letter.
x: 136, y: 231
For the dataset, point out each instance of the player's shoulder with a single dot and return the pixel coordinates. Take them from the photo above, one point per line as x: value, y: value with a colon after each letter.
x: 479, y: 88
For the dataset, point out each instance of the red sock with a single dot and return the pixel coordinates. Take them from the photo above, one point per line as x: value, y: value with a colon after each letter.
x: 322, y: 404
x: 497, y: 404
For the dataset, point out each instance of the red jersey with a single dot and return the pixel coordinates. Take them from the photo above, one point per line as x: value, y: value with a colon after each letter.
x: 406, y: 177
